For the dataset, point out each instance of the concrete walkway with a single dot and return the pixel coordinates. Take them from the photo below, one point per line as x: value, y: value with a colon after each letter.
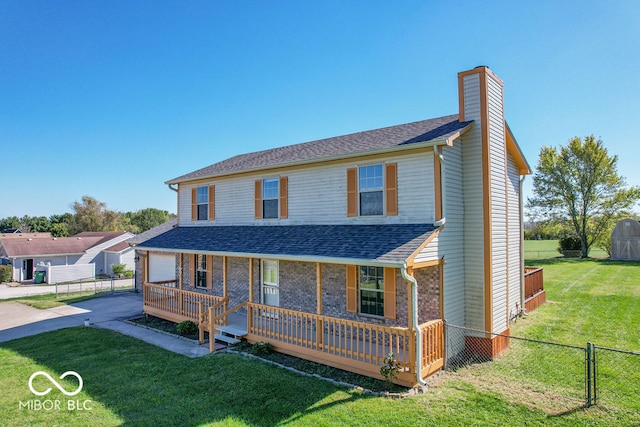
x: 109, y: 312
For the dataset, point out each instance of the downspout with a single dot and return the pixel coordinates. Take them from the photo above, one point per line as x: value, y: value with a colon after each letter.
x: 171, y: 188
x: 414, y: 320
x: 522, y: 287
x: 443, y: 194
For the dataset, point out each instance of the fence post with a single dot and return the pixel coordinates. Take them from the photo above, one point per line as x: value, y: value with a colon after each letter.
x: 444, y: 344
x: 589, y: 374
x: 595, y: 374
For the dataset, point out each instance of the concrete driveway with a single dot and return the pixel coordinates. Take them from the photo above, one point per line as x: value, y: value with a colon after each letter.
x: 19, y: 320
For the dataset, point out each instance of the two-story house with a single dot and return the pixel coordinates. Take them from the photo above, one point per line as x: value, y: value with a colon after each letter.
x: 344, y: 249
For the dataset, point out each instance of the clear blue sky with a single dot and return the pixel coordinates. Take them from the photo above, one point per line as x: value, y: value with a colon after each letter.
x: 112, y: 98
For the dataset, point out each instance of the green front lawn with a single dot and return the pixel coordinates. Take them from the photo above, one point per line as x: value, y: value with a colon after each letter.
x: 131, y: 382
x: 45, y: 301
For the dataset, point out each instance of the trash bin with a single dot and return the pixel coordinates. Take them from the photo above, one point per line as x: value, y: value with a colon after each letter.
x: 38, y: 277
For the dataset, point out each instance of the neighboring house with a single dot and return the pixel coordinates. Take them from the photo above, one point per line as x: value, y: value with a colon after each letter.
x: 82, y: 256
x: 625, y: 240
x: 344, y: 249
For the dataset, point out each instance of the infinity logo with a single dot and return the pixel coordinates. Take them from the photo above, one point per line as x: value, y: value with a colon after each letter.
x: 55, y: 383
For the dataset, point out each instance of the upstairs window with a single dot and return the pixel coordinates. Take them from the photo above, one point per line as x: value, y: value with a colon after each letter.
x: 270, y: 196
x: 202, y: 200
x: 370, y: 190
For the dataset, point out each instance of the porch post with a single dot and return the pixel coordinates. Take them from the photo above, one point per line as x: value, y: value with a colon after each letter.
x: 414, y: 335
x: 146, y: 268
x: 200, y: 322
x: 251, y: 280
x: 319, y: 288
x: 225, y: 285
x: 250, y: 306
x: 319, y: 323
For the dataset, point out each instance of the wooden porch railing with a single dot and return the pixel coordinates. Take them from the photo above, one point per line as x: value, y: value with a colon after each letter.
x: 345, y: 344
x: 533, y: 281
x: 174, y: 304
x: 432, y: 347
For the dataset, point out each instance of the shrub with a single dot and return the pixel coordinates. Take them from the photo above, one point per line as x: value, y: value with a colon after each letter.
x: 390, y: 368
x: 118, y: 269
x: 187, y: 327
x: 262, y: 348
x: 128, y: 274
x: 5, y: 273
x: 569, y: 243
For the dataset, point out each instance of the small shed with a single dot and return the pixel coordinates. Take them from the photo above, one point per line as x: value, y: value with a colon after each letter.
x: 625, y: 240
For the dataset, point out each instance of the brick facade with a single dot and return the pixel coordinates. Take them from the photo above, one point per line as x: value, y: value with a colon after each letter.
x: 297, y: 288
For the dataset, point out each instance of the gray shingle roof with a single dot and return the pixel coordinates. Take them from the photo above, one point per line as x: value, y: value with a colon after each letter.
x: 384, y: 244
x: 388, y: 138
x: 153, y: 232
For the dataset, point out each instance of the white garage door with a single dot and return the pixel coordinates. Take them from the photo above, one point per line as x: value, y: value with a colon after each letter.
x: 162, y: 268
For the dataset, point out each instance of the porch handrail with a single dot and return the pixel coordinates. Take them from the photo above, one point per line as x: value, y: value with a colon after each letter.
x: 432, y: 346
x: 331, y: 336
x: 179, y: 304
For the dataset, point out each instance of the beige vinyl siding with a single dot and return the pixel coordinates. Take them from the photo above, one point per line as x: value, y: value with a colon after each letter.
x: 515, y: 236
x: 430, y: 252
x: 317, y: 195
x: 499, y: 232
x: 452, y: 237
x: 473, y: 206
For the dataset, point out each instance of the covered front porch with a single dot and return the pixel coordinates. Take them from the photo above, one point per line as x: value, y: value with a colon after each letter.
x: 345, y: 296
x: 350, y: 345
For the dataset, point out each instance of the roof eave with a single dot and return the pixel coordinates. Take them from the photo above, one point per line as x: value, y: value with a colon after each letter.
x: 516, y: 152
x: 395, y: 149
x: 298, y: 258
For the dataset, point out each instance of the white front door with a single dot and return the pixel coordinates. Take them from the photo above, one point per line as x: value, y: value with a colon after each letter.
x: 270, y: 293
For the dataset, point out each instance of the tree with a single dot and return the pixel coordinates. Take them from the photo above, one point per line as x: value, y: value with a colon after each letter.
x: 145, y: 219
x: 93, y: 215
x: 580, y: 183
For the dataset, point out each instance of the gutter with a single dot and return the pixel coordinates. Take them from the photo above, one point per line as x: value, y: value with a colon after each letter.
x: 414, y: 320
x: 522, y: 287
x: 321, y: 259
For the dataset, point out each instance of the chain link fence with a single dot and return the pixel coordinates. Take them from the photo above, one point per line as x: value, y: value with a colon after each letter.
x: 544, y: 375
x: 94, y: 285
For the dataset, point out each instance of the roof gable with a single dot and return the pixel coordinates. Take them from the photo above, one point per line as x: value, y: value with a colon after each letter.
x: 393, y: 138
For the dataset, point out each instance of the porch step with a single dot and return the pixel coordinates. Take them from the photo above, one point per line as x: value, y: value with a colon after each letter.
x: 226, y: 338
x: 229, y: 334
x: 231, y: 331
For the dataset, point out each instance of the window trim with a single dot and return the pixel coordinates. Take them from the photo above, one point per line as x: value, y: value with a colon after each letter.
x: 382, y: 189
x: 198, y: 270
x: 379, y: 291
x: 276, y: 198
x: 198, y: 203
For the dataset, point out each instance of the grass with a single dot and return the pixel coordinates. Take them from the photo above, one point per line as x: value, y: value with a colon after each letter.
x: 131, y: 382
x: 545, y: 249
x: 43, y: 302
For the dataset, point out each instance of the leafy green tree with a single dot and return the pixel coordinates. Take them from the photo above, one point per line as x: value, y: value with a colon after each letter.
x: 9, y: 223
x: 93, y: 215
x: 145, y: 219
x: 580, y: 183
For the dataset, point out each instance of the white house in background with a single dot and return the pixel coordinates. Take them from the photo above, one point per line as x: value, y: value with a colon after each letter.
x: 82, y: 256
x: 343, y: 249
